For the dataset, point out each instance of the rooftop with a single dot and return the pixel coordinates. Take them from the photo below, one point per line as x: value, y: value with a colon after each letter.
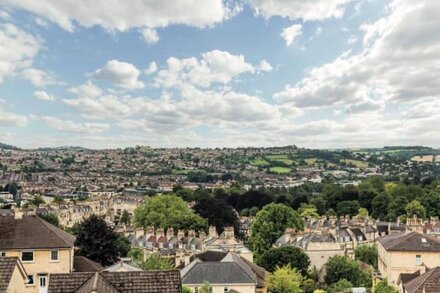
x: 31, y: 232
x: 411, y: 241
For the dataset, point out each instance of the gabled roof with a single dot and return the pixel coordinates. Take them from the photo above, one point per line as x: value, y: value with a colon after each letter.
x: 411, y: 241
x: 83, y: 264
x: 31, y: 232
x: 7, y: 267
x: 428, y: 282
x: 112, y: 282
x: 222, y: 268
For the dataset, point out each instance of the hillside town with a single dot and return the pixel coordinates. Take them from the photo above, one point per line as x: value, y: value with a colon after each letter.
x: 199, y: 224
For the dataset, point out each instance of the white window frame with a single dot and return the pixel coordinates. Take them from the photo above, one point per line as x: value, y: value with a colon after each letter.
x: 58, y: 255
x: 418, y: 260
x: 27, y: 261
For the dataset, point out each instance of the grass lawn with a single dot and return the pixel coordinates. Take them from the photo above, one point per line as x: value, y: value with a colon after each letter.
x: 259, y: 162
x: 182, y: 172
x: 357, y: 163
x: 310, y: 161
x: 280, y: 170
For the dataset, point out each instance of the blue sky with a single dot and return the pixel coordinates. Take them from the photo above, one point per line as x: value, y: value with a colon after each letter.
x: 214, y: 73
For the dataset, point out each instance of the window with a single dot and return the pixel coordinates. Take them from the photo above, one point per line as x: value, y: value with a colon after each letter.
x: 54, y: 255
x: 196, y: 290
x: 27, y: 256
x: 2, y: 254
x: 418, y: 260
x: 226, y: 290
x: 30, y: 280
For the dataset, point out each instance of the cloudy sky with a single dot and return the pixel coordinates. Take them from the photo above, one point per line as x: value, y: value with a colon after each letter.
x: 315, y: 73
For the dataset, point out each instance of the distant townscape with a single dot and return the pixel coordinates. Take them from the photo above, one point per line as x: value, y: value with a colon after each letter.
x: 280, y: 219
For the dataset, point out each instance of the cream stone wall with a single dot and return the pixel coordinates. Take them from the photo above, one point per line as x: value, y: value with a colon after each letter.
x: 220, y: 288
x: 17, y: 282
x: 42, y: 264
x: 393, y: 263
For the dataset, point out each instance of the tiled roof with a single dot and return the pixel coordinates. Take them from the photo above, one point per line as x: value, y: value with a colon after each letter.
x: 83, y: 264
x: 7, y: 266
x: 411, y: 241
x: 428, y: 282
x: 127, y: 282
x: 31, y: 232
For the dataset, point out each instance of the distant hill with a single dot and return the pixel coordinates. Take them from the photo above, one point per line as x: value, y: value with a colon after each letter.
x: 8, y: 146
x: 63, y: 148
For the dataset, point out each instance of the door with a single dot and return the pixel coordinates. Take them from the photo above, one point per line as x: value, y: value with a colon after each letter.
x: 42, y: 284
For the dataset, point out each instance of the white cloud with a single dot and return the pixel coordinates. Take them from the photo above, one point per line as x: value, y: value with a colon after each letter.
x: 17, y: 49
x: 152, y: 68
x: 399, y: 64
x: 117, y: 15
x: 9, y: 119
x: 88, y: 90
x: 42, y: 95
x: 70, y: 126
x: 264, y: 66
x: 290, y: 33
x: 352, y: 39
x: 306, y: 10
x: 121, y: 74
x: 149, y: 35
x: 38, y: 77
x: 214, y: 67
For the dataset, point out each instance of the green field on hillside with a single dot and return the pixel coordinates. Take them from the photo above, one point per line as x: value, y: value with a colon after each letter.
x: 280, y: 170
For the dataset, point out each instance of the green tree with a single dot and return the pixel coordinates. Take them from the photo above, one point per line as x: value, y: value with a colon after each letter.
x: 415, y: 208
x: 58, y: 200
x: 341, y: 267
x: 340, y: 286
x: 308, y: 211
x: 367, y: 192
x: 362, y: 213
x: 164, y: 211
x: 244, y: 212
x: 270, y: 223
x: 367, y: 254
x: 431, y: 202
x: 379, y: 206
x: 396, y: 207
x: 125, y: 217
x: 136, y: 254
x: 186, y: 289
x: 217, y: 212
x: 286, y: 255
x: 157, y: 262
x: 206, y: 288
x: 124, y: 245
x: 97, y: 240
x: 284, y: 280
x: 37, y: 200
x: 309, y: 286
x: 50, y: 218
x: 383, y: 287
x: 348, y: 207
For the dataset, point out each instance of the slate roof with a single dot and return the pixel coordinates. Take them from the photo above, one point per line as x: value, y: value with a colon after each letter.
x: 222, y: 268
x: 411, y: 241
x: 112, y: 282
x: 83, y: 264
x: 7, y: 266
x: 31, y: 232
x: 428, y: 282
x: 217, y: 273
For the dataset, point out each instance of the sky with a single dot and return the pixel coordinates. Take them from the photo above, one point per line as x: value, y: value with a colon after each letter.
x: 219, y: 73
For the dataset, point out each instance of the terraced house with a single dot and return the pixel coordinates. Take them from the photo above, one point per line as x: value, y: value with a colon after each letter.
x: 42, y: 248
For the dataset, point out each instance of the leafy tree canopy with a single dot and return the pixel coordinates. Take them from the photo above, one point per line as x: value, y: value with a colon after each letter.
x: 284, y: 280
x: 286, y: 255
x: 270, y: 223
x: 166, y: 211
x: 97, y: 241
